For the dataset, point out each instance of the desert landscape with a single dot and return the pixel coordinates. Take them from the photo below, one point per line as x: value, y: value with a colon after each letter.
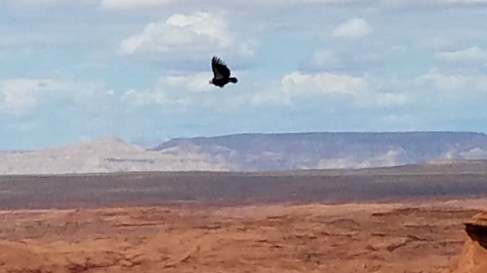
x: 264, y: 238
x: 417, y: 218
x: 244, y: 136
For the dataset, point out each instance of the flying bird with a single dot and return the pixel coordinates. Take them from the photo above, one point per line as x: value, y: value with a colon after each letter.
x: 221, y: 73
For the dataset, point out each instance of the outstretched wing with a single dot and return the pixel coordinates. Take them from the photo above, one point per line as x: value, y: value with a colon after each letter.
x: 220, y: 69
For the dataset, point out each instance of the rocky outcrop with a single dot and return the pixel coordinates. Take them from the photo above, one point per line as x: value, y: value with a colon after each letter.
x: 473, y: 258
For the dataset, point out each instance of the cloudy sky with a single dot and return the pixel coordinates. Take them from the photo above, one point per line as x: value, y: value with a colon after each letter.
x: 139, y: 69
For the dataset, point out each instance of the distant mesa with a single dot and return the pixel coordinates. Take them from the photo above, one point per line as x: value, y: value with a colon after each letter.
x: 256, y: 153
x: 325, y: 150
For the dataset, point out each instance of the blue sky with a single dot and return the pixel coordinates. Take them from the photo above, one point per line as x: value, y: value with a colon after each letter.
x: 139, y: 69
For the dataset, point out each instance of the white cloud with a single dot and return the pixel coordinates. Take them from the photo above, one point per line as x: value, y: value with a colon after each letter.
x: 324, y: 58
x: 345, y: 58
x: 131, y: 4
x: 19, y: 95
x: 354, y: 28
x: 473, y: 54
x: 171, y: 90
x: 453, y: 83
x: 355, y: 91
x: 148, y: 97
x: 463, y: 94
x: 325, y: 83
x: 443, y: 82
x: 195, y: 82
x: 297, y: 84
x: 199, y: 31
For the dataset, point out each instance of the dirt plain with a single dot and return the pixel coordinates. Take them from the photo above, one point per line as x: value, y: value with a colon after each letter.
x: 389, y: 221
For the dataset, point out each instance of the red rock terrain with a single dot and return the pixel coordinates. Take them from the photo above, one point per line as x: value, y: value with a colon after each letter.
x: 473, y: 258
x: 269, y: 238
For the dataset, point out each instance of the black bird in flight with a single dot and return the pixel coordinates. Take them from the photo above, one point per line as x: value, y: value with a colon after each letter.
x: 221, y: 73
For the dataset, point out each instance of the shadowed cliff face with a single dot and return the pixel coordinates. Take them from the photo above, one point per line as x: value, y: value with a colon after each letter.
x: 477, y: 233
x: 473, y: 258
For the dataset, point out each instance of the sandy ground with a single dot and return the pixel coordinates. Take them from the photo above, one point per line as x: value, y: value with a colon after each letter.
x: 266, y: 238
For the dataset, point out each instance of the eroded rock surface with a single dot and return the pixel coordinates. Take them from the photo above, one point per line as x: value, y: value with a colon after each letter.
x: 473, y: 258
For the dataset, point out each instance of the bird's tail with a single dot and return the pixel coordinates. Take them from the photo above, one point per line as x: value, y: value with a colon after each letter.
x: 233, y: 80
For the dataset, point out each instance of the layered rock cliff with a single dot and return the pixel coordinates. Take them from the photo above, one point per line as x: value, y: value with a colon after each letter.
x: 473, y: 258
